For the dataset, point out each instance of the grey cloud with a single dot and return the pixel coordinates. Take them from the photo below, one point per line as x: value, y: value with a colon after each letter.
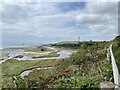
x: 45, y: 20
x: 13, y: 13
x: 100, y: 17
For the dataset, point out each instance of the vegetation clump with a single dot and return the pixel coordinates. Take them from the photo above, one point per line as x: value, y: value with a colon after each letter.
x: 37, y: 49
x: 67, y: 45
x: 19, y: 56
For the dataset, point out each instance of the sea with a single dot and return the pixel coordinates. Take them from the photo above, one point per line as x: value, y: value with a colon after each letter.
x: 17, y: 45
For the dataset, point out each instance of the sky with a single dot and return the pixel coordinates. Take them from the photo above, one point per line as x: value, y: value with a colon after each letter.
x: 49, y: 22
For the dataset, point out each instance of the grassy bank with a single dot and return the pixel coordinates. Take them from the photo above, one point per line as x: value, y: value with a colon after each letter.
x: 68, y: 45
x: 13, y: 67
x: 86, y: 68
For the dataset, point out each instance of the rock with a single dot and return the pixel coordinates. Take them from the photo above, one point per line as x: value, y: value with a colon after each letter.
x: 106, y: 85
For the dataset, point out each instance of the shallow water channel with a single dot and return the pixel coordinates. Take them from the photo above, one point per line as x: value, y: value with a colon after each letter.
x: 63, y: 54
x: 26, y: 72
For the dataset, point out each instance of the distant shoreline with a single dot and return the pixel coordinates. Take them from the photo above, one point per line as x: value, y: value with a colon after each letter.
x: 15, y: 47
x: 21, y: 47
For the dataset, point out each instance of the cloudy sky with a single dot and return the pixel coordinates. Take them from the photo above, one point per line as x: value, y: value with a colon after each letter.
x: 49, y: 22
